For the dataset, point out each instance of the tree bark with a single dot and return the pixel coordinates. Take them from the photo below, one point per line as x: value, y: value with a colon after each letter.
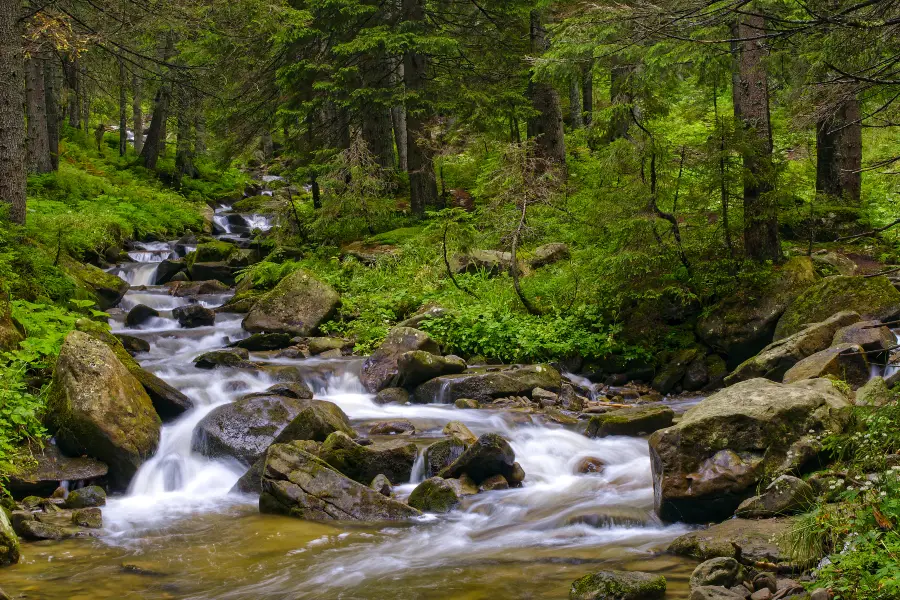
x: 85, y: 96
x: 153, y: 144
x: 37, y: 142
x: 123, y: 111
x: 547, y: 125
x: 200, y: 130
x: 622, y: 99
x: 751, y: 102
x: 422, y: 185
x: 12, y: 121
x: 73, y: 92
x: 575, y: 119
x: 184, y: 146
x: 376, y: 113
x: 839, y: 153
x: 398, y: 119
x: 587, y: 91
x: 54, y: 118
x: 137, y: 113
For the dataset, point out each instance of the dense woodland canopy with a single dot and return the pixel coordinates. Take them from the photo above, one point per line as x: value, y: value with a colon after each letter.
x: 682, y: 151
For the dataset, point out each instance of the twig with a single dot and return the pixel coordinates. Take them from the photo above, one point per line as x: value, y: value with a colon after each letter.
x: 887, y: 272
x: 868, y: 233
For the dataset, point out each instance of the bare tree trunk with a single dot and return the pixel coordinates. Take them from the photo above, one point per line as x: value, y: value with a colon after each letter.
x: 85, y: 100
x: 376, y: 113
x: 398, y: 118
x: 137, y: 113
x: 73, y: 92
x: 587, y: 91
x: 621, y: 98
x: 751, y: 101
x: 12, y: 121
x: 422, y: 185
x: 37, y: 142
x: 54, y: 118
x: 575, y: 117
x: 199, y: 130
x: 153, y: 144
x: 839, y: 153
x: 123, y: 112
x: 267, y: 146
x: 547, y: 126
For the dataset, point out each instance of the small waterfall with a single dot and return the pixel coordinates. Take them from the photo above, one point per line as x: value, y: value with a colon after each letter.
x: 222, y: 221
x: 418, y: 469
x: 260, y: 222
x: 138, y: 274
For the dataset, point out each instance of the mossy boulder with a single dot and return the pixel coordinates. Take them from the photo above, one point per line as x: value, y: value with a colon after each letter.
x: 318, y: 345
x: 392, y: 395
x: 10, y: 331
x: 618, y: 585
x: 442, y: 454
x: 97, y: 407
x: 237, y: 358
x: 876, y: 339
x: 741, y: 325
x: 264, y: 341
x: 381, y: 369
x: 392, y: 459
x: 874, y: 393
x: 86, y: 497
x: 253, y: 204
x: 493, y: 262
x: 98, y: 285
x: 707, y: 464
x: 91, y: 518
x: 485, y: 384
x: 548, y: 254
x: 459, y: 430
x: 846, y: 362
x: 750, y: 540
x: 490, y: 455
x: 215, y: 251
x: 418, y: 366
x: 298, y: 484
x: 787, y: 495
x: 47, y: 468
x: 168, y: 268
x: 673, y: 366
x: 316, y: 421
x: 434, y: 495
x: 297, y: 305
x: 9, y: 542
x: 872, y: 297
x: 634, y: 421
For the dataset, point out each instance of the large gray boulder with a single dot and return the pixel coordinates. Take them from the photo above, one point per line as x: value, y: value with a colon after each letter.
x: 618, y: 585
x: 393, y: 459
x: 98, y: 408
x: 418, y: 366
x: 493, y: 262
x: 712, y: 460
x: 787, y: 495
x: 775, y: 359
x: 874, y: 337
x: 749, y: 540
x: 297, y: 305
x: 844, y: 361
x: 485, y: 384
x: 381, y: 369
x: 297, y: 484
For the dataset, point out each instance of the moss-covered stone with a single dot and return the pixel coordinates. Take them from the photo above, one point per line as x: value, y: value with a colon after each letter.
x: 846, y: 362
x: 485, y: 384
x: 91, y: 518
x: 872, y: 297
x: 490, y: 455
x: 254, y: 204
x: 10, y: 332
x: 381, y: 369
x: 86, y: 497
x: 751, y: 540
x: 459, y: 430
x: 316, y: 421
x: 233, y: 357
x: 392, y: 459
x: 874, y: 393
x: 297, y: 305
x: 418, y: 366
x: 440, y: 455
x: 9, y: 541
x: 673, y: 366
x: 637, y: 420
x: 618, y: 585
x: 434, y: 495
x: 96, y: 284
x: 216, y: 251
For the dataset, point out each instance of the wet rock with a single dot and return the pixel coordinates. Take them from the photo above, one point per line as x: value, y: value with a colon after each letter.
x: 466, y: 403
x: 765, y: 581
x: 91, y: 518
x: 493, y: 262
x: 485, y: 384
x: 139, y: 315
x: 741, y: 325
x: 168, y: 402
x: 696, y: 376
x: 297, y: 306
x: 548, y: 254
x: 590, y: 465
x: 34, y: 530
x: 192, y: 289
x: 618, y: 585
x: 749, y: 540
x: 133, y: 344
x: 634, y: 421
x: 105, y: 288
x: 335, y: 353
x: 775, y: 359
x: 873, y: 393
x: 516, y: 476
x: 786, y: 495
x: 715, y: 592
x: 440, y: 455
x: 392, y: 459
x: 264, y: 341
x: 463, y: 486
x: 243, y: 429
x: 418, y: 366
x: 9, y: 541
x: 394, y: 427
x: 294, y: 389
x: 489, y: 455
x: 495, y: 482
x: 545, y: 398
x: 708, y: 463
x: 674, y: 366
x: 215, y: 251
x: 434, y: 495
x: 874, y: 298
x: 181, y: 276
x: 875, y: 338
x: 845, y: 361
x: 392, y: 395
x: 194, y: 315
x: 282, y: 373
x: 317, y: 420
x: 167, y: 269
x: 98, y: 408
x: 381, y: 369
x: 300, y: 485
x: 86, y: 497
x: 318, y: 345
x: 234, y: 358
x: 382, y: 485
x: 48, y: 468
x: 723, y: 571
x: 459, y: 430
x: 213, y: 271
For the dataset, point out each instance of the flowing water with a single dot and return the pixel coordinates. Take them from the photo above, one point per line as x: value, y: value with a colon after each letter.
x: 179, y: 533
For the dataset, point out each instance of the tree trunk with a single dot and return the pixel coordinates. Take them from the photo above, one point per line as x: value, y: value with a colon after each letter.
x: 376, y: 113
x: 73, y: 92
x: 839, y: 153
x: 587, y: 91
x: 575, y: 117
x: 547, y: 125
x: 184, y: 146
x: 153, y: 144
x: 123, y: 112
x: 398, y: 118
x: 751, y: 107
x: 266, y: 146
x: 12, y: 121
x: 137, y: 113
x: 200, y: 130
x: 622, y: 99
x: 37, y: 142
x: 54, y: 118
x: 85, y: 96
x: 422, y: 185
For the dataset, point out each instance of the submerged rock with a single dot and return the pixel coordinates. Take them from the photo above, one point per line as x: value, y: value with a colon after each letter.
x: 484, y: 384
x: 634, y: 421
x: 194, y: 315
x: 490, y: 455
x: 297, y: 484
x: 434, y: 495
x: 98, y: 408
x: 381, y: 369
x: 618, y: 585
x: 392, y: 459
x: 297, y: 306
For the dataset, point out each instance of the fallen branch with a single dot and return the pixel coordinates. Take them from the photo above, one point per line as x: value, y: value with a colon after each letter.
x: 868, y: 233
x: 885, y: 272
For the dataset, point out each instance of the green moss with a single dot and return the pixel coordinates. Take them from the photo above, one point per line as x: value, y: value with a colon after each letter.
x: 254, y: 204
x: 396, y: 236
x: 618, y: 585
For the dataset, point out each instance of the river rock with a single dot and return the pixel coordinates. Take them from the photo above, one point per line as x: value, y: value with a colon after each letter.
x: 844, y: 361
x: 459, y: 430
x: 233, y: 357
x: 493, y: 262
x: 214, y: 251
x: 100, y: 409
x: 489, y: 455
x: 749, y: 540
x: 634, y: 421
x: 722, y: 571
x: 871, y: 297
x: 875, y: 338
x: 548, y: 254
x: 590, y: 465
x: 618, y: 585
x: 168, y: 402
x: 317, y: 421
x: 674, y: 366
x: 36, y: 531
x: 91, y: 518
x: 297, y: 306
x: 297, y: 484
x: 193, y: 289
x: 874, y: 393
x: 775, y: 359
x: 708, y: 463
x: 381, y: 369
x: 442, y: 454
x: 716, y: 592
x: 291, y: 389
x: 133, y: 344
x: 318, y: 345
x: 787, y: 495
x: 392, y: 459
x: 194, y: 315
x: 11, y: 332
x: 213, y: 271
x: 382, y: 485
x: 105, y: 288
x: 260, y: 342
x: 49, y: 467
x: 86, y: 497
x: 484, y: 384
x: 251, y: 481
x: 418, y: 366
x: 9, y: 541
x: 139, y: 315
x: 434, y: 495
x: 495, y: 482
x: 392, y: 427
x: 167, y: 269
x: 243, y: 429
x: 392, y: 395
x: 741, y: 325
